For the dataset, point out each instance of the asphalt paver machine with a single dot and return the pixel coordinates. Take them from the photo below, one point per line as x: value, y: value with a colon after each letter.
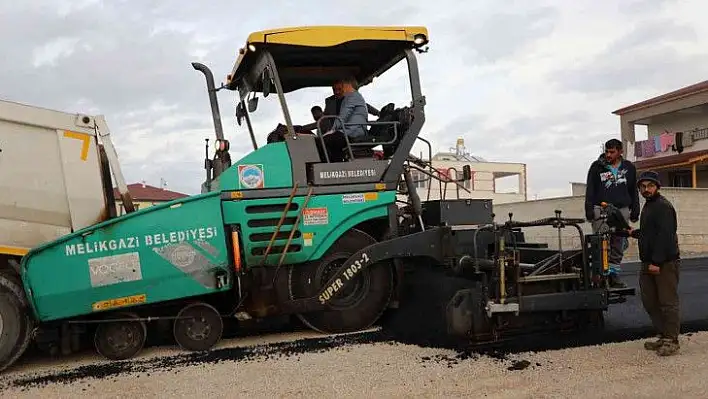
x: 286, y: 230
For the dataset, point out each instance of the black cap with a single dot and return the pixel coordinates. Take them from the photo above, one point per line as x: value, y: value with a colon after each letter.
x: 649, y: 175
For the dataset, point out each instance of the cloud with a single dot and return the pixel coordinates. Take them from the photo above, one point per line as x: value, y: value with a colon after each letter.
x: 640, y: 58
x: 504, y: 34
x: 521, y: 81
x: 643, y: 7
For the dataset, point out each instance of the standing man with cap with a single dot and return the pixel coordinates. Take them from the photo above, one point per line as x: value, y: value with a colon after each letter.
x: 660, y: 258
x: 612, y: 179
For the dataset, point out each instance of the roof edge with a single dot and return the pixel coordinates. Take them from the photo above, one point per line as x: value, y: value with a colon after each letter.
x: 686, y: 91
x: 146, y: 192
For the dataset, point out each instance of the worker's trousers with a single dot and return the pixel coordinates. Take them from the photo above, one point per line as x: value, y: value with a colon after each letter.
x: 618, y: 245
x: 660, y: 298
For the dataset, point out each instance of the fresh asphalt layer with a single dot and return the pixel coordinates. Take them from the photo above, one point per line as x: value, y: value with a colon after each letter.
x: 693, y: 295
x: 623, y: 322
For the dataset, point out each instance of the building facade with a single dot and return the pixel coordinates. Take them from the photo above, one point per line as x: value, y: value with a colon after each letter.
x: 677, y: 130
x: 144, y: 195
x: 483, y: 184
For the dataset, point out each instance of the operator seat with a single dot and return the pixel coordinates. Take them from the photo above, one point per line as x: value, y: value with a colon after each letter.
x: 375, y: 134
x: 385, y: 132
x: 403, y: 118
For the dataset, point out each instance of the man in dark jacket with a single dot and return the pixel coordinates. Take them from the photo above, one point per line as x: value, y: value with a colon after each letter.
x: 612, y: 179
x: 660, y: 257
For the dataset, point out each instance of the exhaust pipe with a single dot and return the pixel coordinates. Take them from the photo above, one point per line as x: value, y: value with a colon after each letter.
x: 211, y: 89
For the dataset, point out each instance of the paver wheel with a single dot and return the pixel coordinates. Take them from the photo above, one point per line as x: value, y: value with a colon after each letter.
x: 16, y: 322
x: 198, y: 327
x: 121, y: 339
x: 361, y: 303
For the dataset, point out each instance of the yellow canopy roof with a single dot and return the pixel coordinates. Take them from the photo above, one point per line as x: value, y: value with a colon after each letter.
x: 317, y: 55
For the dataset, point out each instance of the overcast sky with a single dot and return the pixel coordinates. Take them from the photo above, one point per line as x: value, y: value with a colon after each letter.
x: 522, y: 81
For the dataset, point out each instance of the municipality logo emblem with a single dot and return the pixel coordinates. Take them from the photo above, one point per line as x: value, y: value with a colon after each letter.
x: 251, y: 176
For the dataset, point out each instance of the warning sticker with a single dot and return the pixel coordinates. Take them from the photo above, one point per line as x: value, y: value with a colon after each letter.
x: 315, y: 216
x: 359, y: 198
x: 307, y: 238
x: 352, y: 198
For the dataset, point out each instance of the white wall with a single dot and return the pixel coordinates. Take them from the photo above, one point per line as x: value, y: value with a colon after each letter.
x: 690, y: 207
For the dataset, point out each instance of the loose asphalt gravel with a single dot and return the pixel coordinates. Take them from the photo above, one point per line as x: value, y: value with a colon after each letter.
x: 392, y: 362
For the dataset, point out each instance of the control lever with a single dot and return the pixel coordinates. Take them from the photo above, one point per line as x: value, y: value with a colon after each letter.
x: 560, y: 240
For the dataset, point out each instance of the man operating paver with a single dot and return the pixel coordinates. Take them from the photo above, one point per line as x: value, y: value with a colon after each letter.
x: 611, y: 179
x: 659, y: 255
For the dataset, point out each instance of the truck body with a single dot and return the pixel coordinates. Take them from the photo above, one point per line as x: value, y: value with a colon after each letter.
x: 55, y: 176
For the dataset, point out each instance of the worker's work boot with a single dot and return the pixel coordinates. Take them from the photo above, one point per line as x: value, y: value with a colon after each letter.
x: 654, y: 345
x: 615, y: 281
x: 668, y: 347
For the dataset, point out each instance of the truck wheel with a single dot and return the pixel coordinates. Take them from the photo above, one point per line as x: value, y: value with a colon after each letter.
x: 365, y: 298
x: 15, y: 321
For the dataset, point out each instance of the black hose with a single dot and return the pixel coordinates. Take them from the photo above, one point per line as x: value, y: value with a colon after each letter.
x: 544, y: 222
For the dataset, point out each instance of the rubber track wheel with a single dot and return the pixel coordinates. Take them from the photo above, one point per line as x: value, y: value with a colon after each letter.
x: 17, y: 322
x: 303, y: 283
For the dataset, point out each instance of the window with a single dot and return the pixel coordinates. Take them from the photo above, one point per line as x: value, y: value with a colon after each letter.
x: 681, y: 178
x: 419, y: 179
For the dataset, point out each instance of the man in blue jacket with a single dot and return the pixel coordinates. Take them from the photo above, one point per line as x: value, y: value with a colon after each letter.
x: 612, y: 179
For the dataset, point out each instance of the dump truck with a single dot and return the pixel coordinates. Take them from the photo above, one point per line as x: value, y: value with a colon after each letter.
x: 307, y: 225
x: 66, y: 186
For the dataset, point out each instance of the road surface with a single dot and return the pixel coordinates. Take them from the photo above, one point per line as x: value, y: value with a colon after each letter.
x: 693, y: 292
x: 370, y: 363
